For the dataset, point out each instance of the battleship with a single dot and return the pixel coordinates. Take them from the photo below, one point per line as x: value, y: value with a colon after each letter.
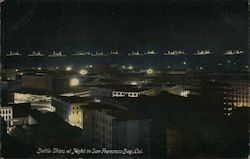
x: 135, y: 53
x: 56, y: 54
x: 114, y: 52
x: 202, y: 53
x: 36, y: 54
x: 233, y: 52
x: 98, y: 54
x: 82, y: 53
x: 11, y: 53
x: 174, y: 53
x: 150, y: 53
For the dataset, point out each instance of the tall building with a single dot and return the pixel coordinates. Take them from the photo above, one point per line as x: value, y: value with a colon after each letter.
x: 16, y: 114
x: 70, y: 108
x: 111, y: 127
x: 235, y: 88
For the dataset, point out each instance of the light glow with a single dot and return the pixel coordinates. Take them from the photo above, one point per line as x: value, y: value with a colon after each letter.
x: 150, y: 71
x: 74, y: 82
x: 133, y: 83
x: 130, y: 67
x: 68, y: 68
x: 83, y: 72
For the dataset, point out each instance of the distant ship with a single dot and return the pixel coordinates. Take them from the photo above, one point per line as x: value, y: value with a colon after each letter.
x: 98, y: 54
x: 202, y: 53
x: 36, y: 54
x: 114, y: 52
x: 56, y: 54
x: 82, y: 53
x: 233, y: 52
x: 11, y: 53
x: 174, y: 53
x: 135, y: 53
x: 150, y: 53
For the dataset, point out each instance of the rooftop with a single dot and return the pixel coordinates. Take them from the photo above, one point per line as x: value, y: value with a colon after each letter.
x: 118, y: 113
x: 125, y: 88
x: 20, y: 110
x: 74, y: 99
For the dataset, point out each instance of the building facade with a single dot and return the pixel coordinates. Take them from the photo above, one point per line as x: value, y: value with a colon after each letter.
x: 106, y: 126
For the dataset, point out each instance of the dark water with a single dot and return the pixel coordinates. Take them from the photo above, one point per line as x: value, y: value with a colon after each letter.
x: 209, y: 61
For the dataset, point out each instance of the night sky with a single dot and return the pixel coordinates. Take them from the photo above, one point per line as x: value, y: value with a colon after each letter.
x: 123, y: 25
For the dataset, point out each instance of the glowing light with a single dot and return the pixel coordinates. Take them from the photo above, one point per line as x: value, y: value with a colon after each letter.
x: 201, y: 68
x: 150, y: 71
x: 17, y: 70
x: 74, y: 82
x: 184, y: 63
x: 130, y: 67
x: 246, y: 66
x: 90, y: 66
x: 123, y: 67
x: 83, y: 72
x: 39, y: 68
x: 228, y: 61
x: 185, y: 93
x: 134, y: 83
x: 68, y: 68
x: 168, y: 66
x: 57, y: 67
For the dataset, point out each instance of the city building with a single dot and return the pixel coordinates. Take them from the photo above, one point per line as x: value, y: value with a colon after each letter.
x: 37, y: 81
x: 39, y: 99
x: 134, y: 92
x: 235, y: 88
x: 70, y: 108
x: 112, y: 127
x: 237, y: 93
x: 16, y: 114
x: 7, y: 96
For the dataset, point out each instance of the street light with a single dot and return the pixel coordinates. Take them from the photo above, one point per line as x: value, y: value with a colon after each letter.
x: 68, y: 68
x: 130, y: 67
x: 150, y: 71
x: 133, y: 83
x: 83, y: 72
x: 74, y: 82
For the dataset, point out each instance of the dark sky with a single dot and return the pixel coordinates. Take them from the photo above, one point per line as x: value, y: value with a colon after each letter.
x: 124, y: 25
